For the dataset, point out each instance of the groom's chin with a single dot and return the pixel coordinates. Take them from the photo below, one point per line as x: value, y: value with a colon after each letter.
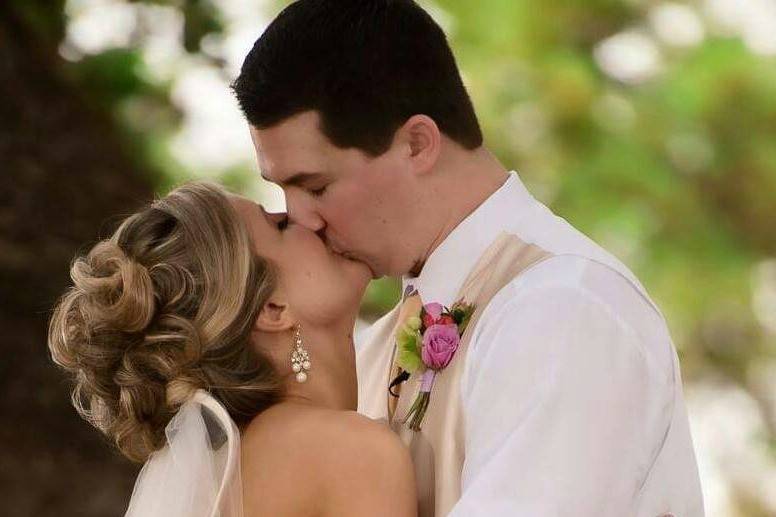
x: 370, y: 271
x: 372, y: 274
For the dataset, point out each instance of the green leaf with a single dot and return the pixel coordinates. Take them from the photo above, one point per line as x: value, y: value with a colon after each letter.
x: 409, y: 350
x: 405, y: 337
x: 409, y: 360
x: 414, y: 323
x: 462, y: 313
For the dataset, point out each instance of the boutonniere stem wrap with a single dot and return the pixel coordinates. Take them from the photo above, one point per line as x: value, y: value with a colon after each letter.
x: 427, y: 343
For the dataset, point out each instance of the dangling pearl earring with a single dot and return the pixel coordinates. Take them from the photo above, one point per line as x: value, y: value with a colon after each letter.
x: 300, y: 360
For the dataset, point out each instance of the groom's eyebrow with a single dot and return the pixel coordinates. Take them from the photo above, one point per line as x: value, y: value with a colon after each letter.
x: 297, y: 179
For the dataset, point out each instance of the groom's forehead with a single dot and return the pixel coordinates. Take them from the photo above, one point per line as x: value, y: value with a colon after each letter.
x: 279, y: 147
x: 296, y: 133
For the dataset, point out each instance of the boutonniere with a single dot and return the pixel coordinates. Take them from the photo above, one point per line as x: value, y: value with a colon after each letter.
x: 427, y: 342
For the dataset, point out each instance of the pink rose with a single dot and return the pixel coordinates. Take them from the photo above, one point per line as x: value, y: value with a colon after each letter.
x: 434, y: 310
x: 432, y: 313
x: 439, y: 344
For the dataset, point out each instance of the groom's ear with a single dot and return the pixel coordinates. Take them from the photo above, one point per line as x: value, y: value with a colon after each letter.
x: 275, y: 316
x: 424, y: 142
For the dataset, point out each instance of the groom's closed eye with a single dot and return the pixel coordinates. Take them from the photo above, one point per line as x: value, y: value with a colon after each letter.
x: 318, y: 192
x: 315, y: 185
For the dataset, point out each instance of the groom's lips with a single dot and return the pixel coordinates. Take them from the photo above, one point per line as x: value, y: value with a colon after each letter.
x: 342, y: 254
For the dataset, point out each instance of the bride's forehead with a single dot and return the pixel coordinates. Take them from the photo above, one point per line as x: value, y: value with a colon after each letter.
x: 246, y: 207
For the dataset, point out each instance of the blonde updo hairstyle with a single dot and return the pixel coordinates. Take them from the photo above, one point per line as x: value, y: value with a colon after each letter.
x: 161, y: 308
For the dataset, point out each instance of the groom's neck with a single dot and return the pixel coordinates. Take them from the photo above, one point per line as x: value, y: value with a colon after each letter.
x: 464, y: 180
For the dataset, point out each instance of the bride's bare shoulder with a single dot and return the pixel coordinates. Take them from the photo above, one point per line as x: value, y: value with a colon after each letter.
x: 293, y: 422
x: 308, y: 434
x: 333, y: 455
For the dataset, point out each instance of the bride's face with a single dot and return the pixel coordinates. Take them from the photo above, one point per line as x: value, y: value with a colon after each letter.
x: 321, y: 287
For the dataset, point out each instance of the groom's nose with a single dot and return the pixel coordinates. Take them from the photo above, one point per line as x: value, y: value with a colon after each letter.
x: 306, y: 218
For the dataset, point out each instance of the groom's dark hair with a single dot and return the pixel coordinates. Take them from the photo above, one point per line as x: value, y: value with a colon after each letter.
x: 365, y: 65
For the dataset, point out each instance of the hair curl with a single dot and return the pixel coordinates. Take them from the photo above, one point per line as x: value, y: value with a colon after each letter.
x: 163, y: 307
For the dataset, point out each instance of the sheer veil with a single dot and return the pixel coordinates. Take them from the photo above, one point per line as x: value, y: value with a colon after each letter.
x: 197, y: 472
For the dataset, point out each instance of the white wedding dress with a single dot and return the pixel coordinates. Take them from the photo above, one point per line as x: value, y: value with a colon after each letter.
x: 197, y: 473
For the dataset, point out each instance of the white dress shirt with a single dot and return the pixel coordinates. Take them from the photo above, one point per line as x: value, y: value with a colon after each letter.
x: 571, y: 392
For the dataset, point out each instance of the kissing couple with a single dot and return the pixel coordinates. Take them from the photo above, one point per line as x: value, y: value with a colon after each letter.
x: 524, y: 372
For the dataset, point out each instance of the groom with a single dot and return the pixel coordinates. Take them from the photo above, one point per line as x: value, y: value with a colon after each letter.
x: 564, y: 396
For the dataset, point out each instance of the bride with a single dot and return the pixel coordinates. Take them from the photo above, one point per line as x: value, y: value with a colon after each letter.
x: 213, y: 342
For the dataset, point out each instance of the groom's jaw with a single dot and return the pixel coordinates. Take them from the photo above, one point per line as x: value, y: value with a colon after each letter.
x: 417, y: 268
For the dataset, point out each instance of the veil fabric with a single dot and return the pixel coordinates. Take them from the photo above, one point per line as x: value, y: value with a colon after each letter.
x: 197, y: 472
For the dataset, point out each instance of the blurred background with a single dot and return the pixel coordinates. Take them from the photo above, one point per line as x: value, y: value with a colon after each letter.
x: 649, y: 125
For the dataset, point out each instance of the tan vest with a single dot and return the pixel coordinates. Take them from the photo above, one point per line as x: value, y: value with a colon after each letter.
x: 438, y: 449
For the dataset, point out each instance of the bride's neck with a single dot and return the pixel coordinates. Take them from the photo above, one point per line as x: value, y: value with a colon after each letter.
x: 331, y: 382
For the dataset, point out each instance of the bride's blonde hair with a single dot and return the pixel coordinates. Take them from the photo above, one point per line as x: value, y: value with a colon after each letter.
x: 161, y: 308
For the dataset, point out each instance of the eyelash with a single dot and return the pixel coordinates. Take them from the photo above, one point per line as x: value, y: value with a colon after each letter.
x: 318, y: 192
x: 283, y: 224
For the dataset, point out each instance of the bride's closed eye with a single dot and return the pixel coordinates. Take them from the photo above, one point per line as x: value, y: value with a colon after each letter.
x: 283, y: 224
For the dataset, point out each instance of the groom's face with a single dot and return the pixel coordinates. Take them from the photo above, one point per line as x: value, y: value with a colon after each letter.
x: 357, y: 204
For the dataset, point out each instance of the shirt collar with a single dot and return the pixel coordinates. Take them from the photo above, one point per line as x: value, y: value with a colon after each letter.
x: 448, y: 265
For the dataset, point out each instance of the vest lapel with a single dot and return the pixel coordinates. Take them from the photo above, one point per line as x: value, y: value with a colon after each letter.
x: 438, y: 449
